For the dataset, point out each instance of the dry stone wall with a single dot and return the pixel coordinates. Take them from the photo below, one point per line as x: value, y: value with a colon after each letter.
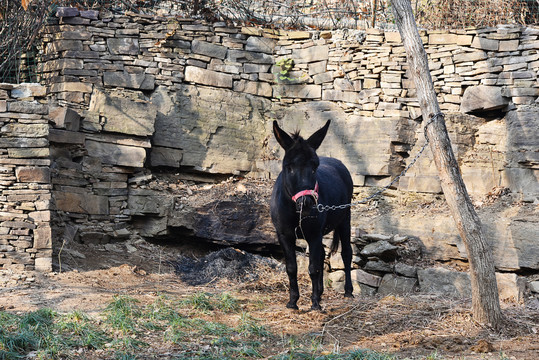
x: 201, y: 96
x: 25, y: 188
x: 132, y: 95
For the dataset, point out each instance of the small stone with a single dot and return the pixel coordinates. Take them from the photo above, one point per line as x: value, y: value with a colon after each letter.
x: 381, y: 249
x: 405, y: 270
x: 379, y: 266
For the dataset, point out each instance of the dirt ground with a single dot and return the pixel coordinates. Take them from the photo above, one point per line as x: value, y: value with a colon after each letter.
x: 409, y: 327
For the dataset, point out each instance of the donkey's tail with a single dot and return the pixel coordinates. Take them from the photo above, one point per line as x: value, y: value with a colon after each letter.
x: 335, y: 243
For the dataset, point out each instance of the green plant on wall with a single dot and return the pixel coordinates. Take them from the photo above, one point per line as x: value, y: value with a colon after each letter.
x: 286, y: 64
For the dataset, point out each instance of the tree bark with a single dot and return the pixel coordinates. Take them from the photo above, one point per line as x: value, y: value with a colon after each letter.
x: 485, y: 299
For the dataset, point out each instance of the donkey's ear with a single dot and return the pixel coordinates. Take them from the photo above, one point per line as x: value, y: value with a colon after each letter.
x: 316, y: 139
x: 282, y: 137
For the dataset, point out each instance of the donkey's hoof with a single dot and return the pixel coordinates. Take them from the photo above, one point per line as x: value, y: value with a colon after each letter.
x: 348, y: 295
x: 292, y: 306
x: 316, y: 307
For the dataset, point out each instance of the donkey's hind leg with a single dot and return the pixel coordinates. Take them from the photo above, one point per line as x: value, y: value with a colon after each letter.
x: 343, y: 232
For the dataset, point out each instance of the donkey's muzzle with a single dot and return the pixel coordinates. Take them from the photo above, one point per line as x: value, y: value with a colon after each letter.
x: 305, y: 203
x: 305, y: 200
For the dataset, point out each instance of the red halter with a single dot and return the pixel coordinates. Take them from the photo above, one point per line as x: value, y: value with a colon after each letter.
x: 313, y: 193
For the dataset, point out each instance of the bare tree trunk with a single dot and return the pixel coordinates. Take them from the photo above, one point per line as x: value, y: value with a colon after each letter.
x: 374, y: 5
x: 485, y: 300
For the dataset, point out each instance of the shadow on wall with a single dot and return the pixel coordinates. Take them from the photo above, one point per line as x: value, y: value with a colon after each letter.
x: 203, y: 132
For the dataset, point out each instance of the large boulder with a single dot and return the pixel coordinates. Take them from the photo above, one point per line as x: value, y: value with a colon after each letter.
x: 482, y: 98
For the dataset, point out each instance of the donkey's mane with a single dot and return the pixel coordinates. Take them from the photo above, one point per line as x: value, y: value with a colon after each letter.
x: 295, y: 135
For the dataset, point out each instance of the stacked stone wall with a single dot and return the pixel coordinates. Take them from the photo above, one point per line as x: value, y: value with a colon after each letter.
x: 25, y: 189
x: 133, y: 95
x: 183, y: 94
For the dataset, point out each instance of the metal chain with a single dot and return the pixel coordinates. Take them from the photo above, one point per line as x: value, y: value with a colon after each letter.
x: 322, y: 208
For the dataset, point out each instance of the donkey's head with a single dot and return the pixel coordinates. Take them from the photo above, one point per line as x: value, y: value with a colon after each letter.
x: 300, y: 164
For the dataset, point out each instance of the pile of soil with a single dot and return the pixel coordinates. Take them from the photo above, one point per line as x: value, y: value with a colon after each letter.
x: 229, y: 263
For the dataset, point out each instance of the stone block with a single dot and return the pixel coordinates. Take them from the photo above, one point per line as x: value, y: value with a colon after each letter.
x: 444, y: 281
x: 298, y: 35
x: 523, y: 131
x: 30, y: 153
x: 469, y: 57
x: 323, y: 77
x: 71, y: 87
x: 366, y: 278
x: 380, y: 249
x: 260, y: 44
x: 485, y: 44
x: 90, y: 14
x: 43, y: 237
x: 27, y: 174
x: 393, y: 37
x: 338, y: 95
x: 65, y: 118
x: 149, y: 204
x: 508, y: 45
x: 28, y: 107
x: 317, y: 67
x: 336, y: 277
x: 209, y: 49
x: 519, y: 91
x: 67, y: 11
x: 61, y: 64
x: 335, y: 262
x: 397, y: 285
x: 369, y: 83
x: 344, y: 84
x: 43, y: 264
x: 310, y: 54
x: 127, y: 80
x: 149, y: 226
x: 208, y: 77
x: 115, y: 154
x: 255, y: 68
x: 63, y: 45
x: 378, y: 266
x: 442, y: 39
x: 124, y: 115
x: 242, y: 56
x: 28, y: 90
x: 483, y: 98
x: 254, y: 88
x: 406, y: 270
x: 25, y: 130
x: 163, y: 156
x: 83, y: 203
x: 123, y: 46
x: 298, y: 91
x: 464, y: 40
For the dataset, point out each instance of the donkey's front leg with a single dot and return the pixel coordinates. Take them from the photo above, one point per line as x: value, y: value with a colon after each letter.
x: 316, y: 270
x: 288, y: 244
